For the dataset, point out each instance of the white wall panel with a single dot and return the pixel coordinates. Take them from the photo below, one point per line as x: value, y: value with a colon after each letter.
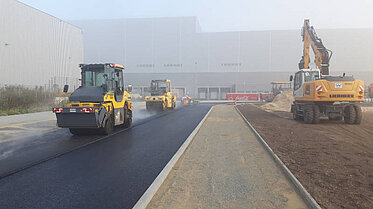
x: 156, y: 42
x: 36, y: 48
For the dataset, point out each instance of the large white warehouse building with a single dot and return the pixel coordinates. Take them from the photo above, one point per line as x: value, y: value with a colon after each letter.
x: 37, y: 49
x: 211, y: 64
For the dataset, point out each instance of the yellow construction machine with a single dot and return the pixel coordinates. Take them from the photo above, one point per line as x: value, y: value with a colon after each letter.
x: 161, y: 97
x: 370, y: 90
x: 101, y: 102
x: 279, y: 86
x: 316, y: 93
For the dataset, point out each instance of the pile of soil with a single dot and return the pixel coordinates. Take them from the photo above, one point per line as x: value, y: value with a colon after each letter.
x: 367, y: 106
x: 332, y: 160
x: 282, y: 102
x: 367, y: 109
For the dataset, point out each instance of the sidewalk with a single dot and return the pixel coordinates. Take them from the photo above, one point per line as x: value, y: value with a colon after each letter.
x: 25, y: 118
x: 49, y: 115
x: 225, y: 166
x: 14, y: 127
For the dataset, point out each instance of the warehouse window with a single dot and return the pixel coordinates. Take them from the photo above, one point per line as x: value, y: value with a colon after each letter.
x: 145, y: 65
x: 231, y: 64
x: 172, y: 65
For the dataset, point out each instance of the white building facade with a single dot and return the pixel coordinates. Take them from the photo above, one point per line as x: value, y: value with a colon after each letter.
x: 37, y: 49
x: 177, y: 49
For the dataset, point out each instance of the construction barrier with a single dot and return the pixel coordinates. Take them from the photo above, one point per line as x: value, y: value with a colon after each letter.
x: 243, y: 96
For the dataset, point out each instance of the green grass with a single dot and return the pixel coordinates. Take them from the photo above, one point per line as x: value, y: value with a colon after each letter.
x: 19, y: 100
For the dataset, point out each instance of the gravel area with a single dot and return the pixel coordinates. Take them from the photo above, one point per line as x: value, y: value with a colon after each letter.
x: 332, y: 160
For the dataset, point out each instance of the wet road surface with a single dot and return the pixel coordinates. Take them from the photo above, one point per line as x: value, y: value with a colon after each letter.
x: 29, y: 139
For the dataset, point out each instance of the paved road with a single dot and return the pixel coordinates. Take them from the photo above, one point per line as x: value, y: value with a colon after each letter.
x: 35, y: 136
x: 112, y: 173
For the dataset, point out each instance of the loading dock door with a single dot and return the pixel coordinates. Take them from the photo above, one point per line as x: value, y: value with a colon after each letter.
x: 202, y: 93
x: 180, y: 92
x: 214, y: 93
x: 224, y: 92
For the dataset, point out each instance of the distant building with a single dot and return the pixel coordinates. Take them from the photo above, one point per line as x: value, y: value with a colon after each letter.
x: 37, y: 49
x: 208, y: 64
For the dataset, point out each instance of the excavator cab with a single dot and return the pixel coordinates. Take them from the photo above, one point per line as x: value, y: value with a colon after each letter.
x: 302, y: 76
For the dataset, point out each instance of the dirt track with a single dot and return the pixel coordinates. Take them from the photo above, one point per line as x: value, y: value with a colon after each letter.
x: 333, y: 161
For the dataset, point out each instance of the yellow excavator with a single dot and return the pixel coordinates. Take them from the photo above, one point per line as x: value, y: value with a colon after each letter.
x: 101, y: 102
x: 161, y: 97
x: 316, y: 93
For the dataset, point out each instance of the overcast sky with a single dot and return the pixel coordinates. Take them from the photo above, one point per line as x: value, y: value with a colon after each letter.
x: 222, y: 15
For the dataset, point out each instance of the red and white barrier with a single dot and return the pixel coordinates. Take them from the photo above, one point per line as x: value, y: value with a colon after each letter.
x: 243, y: 96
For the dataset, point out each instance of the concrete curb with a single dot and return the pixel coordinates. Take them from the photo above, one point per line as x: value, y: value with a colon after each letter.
x: 145, y: 199
x: 301, y: 190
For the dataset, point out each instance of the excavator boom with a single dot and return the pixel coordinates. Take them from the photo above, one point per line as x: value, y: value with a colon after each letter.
x: 322, y: 54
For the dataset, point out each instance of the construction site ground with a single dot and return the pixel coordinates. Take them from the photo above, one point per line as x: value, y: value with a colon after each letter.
x: 332, y: 160
x: 225, y: 166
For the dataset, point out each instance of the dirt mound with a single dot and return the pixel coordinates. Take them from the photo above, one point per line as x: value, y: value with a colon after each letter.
x: 367, y: 109
x: 281, y: 102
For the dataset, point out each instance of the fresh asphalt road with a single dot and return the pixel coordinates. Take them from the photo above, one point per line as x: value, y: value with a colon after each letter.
x: 34, y: 137
x: 111, y: 173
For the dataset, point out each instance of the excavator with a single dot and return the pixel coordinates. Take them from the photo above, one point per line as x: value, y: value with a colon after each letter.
x: 100, y: 103
x: 316, y: 93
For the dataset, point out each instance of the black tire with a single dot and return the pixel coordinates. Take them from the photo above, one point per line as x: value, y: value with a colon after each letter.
x: 359, y: 114
x: 295, y: 113
x: 76, y: 131
x: 308, y: 114
x: 349, y: 114
x: 109, y: 127
x: 128, y: 119
x: 173, y: 105
x: 316, y: 114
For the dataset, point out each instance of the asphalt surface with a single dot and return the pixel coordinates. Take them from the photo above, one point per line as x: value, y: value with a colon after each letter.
x: 34, y: 137
x: 111, y: 173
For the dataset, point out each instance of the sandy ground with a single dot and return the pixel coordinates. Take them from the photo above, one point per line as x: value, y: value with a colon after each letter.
x: 334, y: 161
x: 226, y: 167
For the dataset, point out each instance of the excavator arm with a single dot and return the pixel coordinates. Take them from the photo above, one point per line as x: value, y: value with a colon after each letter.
x: 322, y: 54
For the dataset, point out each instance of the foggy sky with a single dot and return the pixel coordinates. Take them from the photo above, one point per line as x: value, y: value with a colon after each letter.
x: 222, y: 15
